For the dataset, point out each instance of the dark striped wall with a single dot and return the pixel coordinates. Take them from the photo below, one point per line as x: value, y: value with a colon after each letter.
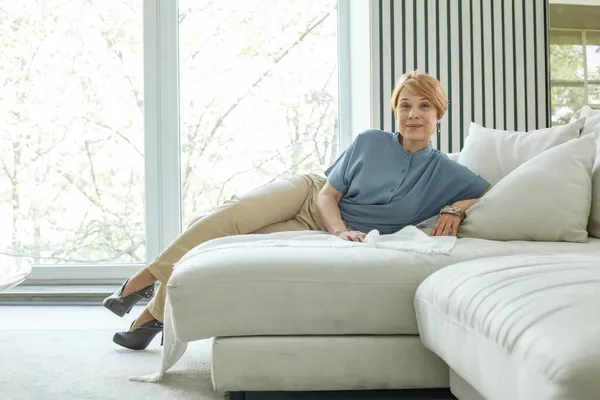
x: 490, y: 55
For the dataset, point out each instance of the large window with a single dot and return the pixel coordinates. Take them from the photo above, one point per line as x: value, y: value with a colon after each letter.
x: 71, y: 131
x: 123, y: 120
x: 575, y: 71
x: 574, y: 57
x: 259, y: 84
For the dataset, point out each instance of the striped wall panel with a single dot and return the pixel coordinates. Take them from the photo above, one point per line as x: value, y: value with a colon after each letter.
x: 490, y: 55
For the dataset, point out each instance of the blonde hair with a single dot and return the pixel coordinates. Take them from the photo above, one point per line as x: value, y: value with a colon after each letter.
x: 422, y: 85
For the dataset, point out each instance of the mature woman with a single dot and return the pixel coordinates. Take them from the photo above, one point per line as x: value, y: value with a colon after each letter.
x: 383, y: 181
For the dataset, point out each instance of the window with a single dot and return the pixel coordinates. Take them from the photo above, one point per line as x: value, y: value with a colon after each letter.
x: 574, y: 57
x: 575, y: 72
x: 126, y: 119
x: 253, y: 108
x: 71, y: 132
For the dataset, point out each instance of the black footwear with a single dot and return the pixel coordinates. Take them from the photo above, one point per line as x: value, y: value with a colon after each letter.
x: 140, y: 338
x: 122, y: 305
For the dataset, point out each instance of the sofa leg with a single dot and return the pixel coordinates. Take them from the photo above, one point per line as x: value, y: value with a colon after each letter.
x: 236, y: 396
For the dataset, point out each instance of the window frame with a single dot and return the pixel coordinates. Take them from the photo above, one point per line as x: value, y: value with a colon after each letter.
x: 163, y: 208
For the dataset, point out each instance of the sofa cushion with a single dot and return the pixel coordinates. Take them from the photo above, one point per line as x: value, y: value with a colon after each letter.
x: 517, y: 327
x: 494, y: 153
x: 239, y: 286
x: 547, y: 198
x: 592, y: 126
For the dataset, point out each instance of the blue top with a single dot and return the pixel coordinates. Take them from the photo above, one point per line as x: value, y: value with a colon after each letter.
x: 385, y: 187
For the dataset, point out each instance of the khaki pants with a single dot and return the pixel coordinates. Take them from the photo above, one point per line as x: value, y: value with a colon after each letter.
x: 285, y: 205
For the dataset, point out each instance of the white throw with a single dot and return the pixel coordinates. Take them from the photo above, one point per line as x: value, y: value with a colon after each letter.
x: 409, y: 238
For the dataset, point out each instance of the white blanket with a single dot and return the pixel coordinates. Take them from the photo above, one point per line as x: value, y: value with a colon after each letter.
x: 408, y: 239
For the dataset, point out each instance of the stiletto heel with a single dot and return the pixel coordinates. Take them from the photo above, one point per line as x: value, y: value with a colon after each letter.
x: 162, y: 337
x: 122, y: 305
x: 141, y: 337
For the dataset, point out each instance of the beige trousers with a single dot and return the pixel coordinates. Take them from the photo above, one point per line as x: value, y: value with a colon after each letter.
x: 288, y: 204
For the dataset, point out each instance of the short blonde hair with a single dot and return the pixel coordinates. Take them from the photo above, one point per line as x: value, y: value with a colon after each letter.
x: 422, y: 85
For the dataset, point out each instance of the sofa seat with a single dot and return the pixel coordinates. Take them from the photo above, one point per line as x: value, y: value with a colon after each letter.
x: 516, y: 327
x: 239, y: 286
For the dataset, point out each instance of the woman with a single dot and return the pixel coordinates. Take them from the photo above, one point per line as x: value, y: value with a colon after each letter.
x: 383, y: 181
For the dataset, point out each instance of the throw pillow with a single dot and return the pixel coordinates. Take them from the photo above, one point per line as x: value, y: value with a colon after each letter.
x: 493, y: 153
x: 585, y: 111
x: 592, y: 126
x: 545, y: 199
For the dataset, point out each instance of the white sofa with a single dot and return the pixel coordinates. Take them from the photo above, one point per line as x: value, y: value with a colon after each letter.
x: 511, y: 318
x: 279, y: 325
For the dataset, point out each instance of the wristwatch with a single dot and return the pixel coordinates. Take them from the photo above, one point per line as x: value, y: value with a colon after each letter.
x: 454, y: 211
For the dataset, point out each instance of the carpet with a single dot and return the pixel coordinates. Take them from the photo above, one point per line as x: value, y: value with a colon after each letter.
x: 78, y: 364
x: 85, y: 364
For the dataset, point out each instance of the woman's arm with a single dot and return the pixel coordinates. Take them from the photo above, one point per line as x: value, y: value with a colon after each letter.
x: 464, y: 205
x: 327, y: 202
x: 448, y: 224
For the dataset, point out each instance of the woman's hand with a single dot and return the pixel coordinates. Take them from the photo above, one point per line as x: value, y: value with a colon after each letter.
x: 352, y: 236
x: 446, y: 225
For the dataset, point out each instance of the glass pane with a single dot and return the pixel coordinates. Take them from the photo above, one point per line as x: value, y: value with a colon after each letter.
x: 566, y: 55
x: 593, y: 94
x: 258, y: 95
x: 593, y: 54
x: 71, y: 135
x: 565, y: 101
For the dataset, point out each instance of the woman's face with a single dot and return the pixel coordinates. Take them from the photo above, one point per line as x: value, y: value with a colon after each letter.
x: 416, y: 117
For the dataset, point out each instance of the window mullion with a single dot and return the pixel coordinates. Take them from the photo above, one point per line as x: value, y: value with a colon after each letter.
x: 161, y: 82
x: 585, y: 67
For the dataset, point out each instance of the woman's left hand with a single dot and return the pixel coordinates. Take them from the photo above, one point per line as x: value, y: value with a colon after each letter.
x: 446, y: 225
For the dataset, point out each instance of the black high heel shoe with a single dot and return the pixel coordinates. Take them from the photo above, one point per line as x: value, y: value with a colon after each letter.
x: 122, y: 305
x: 140, y: 338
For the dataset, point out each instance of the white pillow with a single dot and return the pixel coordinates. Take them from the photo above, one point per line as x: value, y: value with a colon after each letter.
x: 545, y: 199
x: 494, y: 153
x: 592, y: 126
x: 585, y: 111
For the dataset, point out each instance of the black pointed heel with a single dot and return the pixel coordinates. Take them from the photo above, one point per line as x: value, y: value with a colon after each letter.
x: 123, y: 305
x: 140, y: 338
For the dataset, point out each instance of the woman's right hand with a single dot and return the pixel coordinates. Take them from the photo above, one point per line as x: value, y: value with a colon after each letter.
x: 352, y: 236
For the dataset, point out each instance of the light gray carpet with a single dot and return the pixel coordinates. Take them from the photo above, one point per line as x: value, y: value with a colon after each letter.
x: 86, y: 364
x: 66, y: 352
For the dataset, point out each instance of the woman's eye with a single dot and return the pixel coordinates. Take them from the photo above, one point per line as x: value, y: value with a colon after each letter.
x: 425, y: 105
x: 405, y: 106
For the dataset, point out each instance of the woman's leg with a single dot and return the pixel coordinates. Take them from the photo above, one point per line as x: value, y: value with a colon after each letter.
x: 287, y: 204
x: 144, y: 278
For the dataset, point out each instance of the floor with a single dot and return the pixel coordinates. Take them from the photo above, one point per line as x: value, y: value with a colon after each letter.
x: 91, y: 317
